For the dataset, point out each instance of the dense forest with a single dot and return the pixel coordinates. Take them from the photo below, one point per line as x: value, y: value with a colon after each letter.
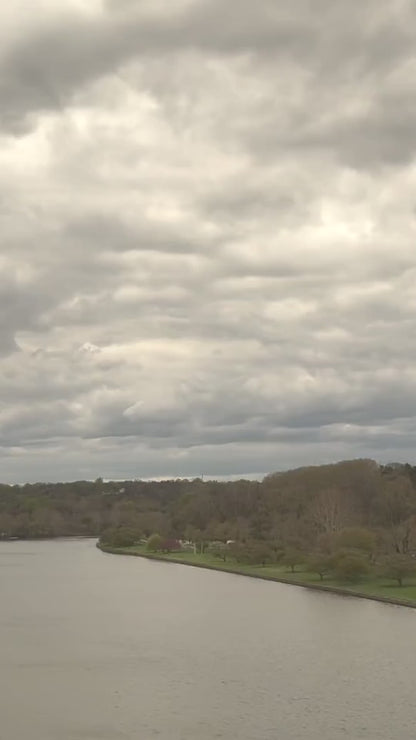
x: 295, y: 509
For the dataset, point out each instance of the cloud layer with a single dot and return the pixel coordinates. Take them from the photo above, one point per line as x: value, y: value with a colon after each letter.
x: 208, y: 227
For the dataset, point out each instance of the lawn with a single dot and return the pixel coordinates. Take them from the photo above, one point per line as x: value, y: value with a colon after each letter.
x: 371, y: 586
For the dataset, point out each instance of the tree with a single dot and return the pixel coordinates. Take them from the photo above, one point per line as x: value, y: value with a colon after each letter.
x: 219, y: 550
x: 260, y: 553
x: 119, y: 537
x: 329, y: 510
x: 252, y: 552
x: 356, y: 538
x: 260, y: 525
x: 397, y: 507
x: 398, y: 567
x: 170, y: 545
x: 237, y: 551
x: 320, y: 563
x: 219, y: 532
x: 349, y: 566
x: 197, y: 537
x: 292, y: 557
x: 154, y: 543
x: 277, y: 549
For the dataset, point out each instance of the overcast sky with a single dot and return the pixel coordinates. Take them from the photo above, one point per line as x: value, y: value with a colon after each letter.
x: 208, y: 260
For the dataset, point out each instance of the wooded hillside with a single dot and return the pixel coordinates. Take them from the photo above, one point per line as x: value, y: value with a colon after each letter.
x: 297, y: 508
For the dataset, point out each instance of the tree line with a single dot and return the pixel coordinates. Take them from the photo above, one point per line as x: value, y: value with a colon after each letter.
x: 352, y: 511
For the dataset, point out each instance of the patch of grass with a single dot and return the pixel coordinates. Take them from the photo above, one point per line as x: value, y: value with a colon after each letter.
x: 370, y: 586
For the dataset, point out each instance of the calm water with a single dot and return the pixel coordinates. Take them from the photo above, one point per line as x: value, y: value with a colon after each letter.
x: 99, y: 647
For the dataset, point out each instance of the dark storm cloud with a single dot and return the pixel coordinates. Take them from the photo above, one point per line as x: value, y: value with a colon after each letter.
x: 47, y: 65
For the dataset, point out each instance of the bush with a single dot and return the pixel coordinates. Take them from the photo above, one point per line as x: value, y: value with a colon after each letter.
x: 349, y: 566
x: 119, y: 537
x: 154, y: 543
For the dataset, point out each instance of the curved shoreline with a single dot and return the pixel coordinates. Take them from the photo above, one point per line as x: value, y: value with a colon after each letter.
x: 337, y: 590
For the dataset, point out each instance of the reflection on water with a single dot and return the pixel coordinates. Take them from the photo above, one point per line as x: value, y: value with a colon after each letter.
x: 104, y: 647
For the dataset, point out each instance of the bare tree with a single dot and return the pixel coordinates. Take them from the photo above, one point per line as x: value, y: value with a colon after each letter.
x: 329, y: 511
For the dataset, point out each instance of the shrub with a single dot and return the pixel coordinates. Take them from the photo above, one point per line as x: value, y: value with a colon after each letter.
x: 349, y: 566
x: 154, y: 543
x: 119, y: 537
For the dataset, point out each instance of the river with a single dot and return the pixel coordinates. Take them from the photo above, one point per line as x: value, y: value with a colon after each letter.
x: 104, y: 647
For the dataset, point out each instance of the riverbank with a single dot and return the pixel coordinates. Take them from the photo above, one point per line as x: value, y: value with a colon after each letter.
x: 374, y: 588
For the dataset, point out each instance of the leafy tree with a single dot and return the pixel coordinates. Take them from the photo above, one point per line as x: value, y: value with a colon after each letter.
x: 320, y: 563
x: 398, y: 567
x: 260, y: 553
x: 119, y: 537
x: 238, y: 551
x: 154, y: 543
x: 260, y: 524
x: 312, y: 509
x: 219, y: 550
x: 219, y: 532
x: 277, y: 549
x: 356, y: 538
x: 349, y: 566
x: 197, y: 537
x: 252, y: 552
x: 170, y: 545
x: 292, y: 557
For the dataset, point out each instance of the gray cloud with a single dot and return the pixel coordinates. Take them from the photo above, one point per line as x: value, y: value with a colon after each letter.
x: 46, y: 66
x: 208, y: 223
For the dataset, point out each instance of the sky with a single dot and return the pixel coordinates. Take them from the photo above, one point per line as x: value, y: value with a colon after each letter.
x: 208, y: 222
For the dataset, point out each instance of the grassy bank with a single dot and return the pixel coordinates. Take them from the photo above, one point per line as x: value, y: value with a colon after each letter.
x: 379, y: 589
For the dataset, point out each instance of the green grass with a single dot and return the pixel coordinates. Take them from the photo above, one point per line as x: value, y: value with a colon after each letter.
x: 370, y: 586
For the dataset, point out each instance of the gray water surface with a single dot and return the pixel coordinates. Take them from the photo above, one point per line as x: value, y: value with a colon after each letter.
x: 102, y: 647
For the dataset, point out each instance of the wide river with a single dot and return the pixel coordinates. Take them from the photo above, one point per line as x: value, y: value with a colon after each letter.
x: 104, y: 647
